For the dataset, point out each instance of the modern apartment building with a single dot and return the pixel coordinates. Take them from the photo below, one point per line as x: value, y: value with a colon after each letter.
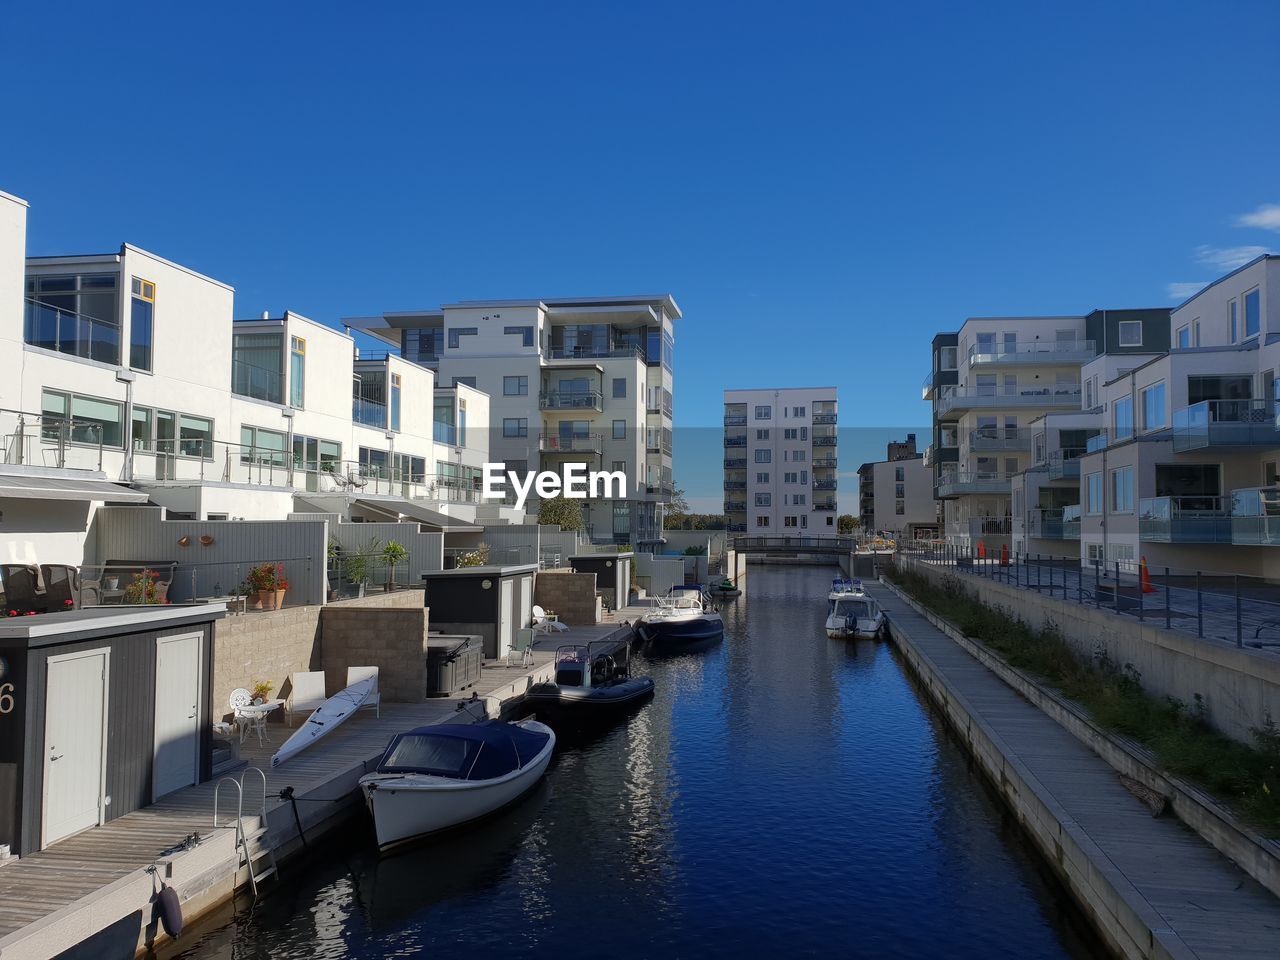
x: 125, y: 378
x: 780, y: 460
x: 586, y: 380
x: 895, y: 495
x: 994, y: 385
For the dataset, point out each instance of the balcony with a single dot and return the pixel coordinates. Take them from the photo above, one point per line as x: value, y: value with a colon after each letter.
x: 999, y: 398
x: 824, y: 484
x: 1042, y: 352
x: 735, y: 463
x: 990, y: 527
x: 967, y: 484
x: 1255, y: 516
x: 824, y: 463
x: 735, y: 506
x: 554, y: 443
x: 257, y: 383
x: 735, y: 484
x: 735, y: 421
x: 576, y: 401
x: 824, y: 441
x: 736, y: 527
x: 1096, y: 443
x: 615, y: 352
x: 39, y: 440
x: 926, y: 388
x: 1197, y: 519
x: 824, y: 418
x: 1225, y: 423
x: 826, y: 506
x: 1064, y: 464
x: 735, y: 441
x: 371, y: 413
x: 72, y: 333
x: 999, y: 438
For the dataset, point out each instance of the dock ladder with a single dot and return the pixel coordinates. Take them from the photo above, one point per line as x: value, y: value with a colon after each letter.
x: 253, y: 846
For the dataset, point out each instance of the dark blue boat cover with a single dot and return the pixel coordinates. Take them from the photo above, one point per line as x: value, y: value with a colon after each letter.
x: 465, y: 751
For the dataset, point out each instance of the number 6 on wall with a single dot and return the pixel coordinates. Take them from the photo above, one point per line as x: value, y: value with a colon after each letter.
x: 6, y: 698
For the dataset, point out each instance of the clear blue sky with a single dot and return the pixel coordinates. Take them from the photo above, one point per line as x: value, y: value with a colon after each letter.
x: 821, y: 187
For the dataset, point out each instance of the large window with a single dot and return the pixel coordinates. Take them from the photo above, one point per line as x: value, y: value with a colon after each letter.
x: 1184, y: 337
x: 515, y: 426
x: 75, y: 314
x: 445, y: 430
x: 1130, y: 333
x: 619, y: 388
x: 457, y: 333
x: 92, y: 420
x: 764, y: 412
x: 764, y: 456
x: 515, y: 386
x: 297, y: 371
x: 1123, y: 418
x: 195, y: 437
x: 257, y: 366
x: 1153, y: 417
x: 395, y: 401
x: 619, y: 429
x: 141, y: 432
x: 141, y: 322
x: 1252, y: 313
x: 1122, y: 490
x: 258, y: 445
x: 423, y: 345
x: 1093, y: 493
x: 525, y: 334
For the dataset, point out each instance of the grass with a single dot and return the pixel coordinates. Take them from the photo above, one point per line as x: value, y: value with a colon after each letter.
x: 1245, y: 777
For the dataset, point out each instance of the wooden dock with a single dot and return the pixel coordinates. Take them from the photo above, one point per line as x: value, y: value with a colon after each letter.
x: 1153, y: 886
x: 78, y: 888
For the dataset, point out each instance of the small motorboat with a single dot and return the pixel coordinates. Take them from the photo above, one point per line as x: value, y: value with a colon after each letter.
x: 851, y: 613
x: 726, y: 588
x: 326, y: 718
x: 589, y: 687
x: 681, y: 618
x: 446, y: 775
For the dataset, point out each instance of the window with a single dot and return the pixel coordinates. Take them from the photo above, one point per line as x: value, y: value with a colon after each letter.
x: 141, y: 433
x: 515, y: 426
x: 1123, y: 422
x: 619, y: 388
x: 764, y: 412
x: 422, y: 345
x: 1184, y: 337
x: 790, y: 434
x: 799, y: 499
x: 799, y: 456
x: 297, y: 371
x: 762, y: 521
x: 525, y: 334
x: 458, y: 332
x: 195, y: 437
x: 1122, y: 490
x: 899, y: 490
x: 515, y: 386
x: 1231, y: 316
x: 804, y: 476
x: 619, y: 429
x: 800, y: 411
x: 1252, y: 313
x: 762, y: 434
x: 899, y: 507
x: 395, y: 401
x: 262, y: 446
x: 257, y: 366
x: 789, y: 521
x: 789, y: 478
x: 764, y: 456
x: 465, y: 381
x: 1130, y: 333
x: 947, y: 358
x: 762, y: 478
x: 830, y: 522
x: 764, y: 499
x: 1093, y: 493
x: 1088, y: 392
x: 619, y: 466
x: 93, y: 421
x: 804, y: 433
x: 1153, y: 407
x: 141, y: 317
x: 899, y: 474
x: 76, y: 315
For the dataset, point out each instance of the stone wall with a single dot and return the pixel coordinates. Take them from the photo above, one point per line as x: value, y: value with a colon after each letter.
x: 571, y: 595
x: 1239, y: 687
x: 272, y: 645
x: 389, y: 638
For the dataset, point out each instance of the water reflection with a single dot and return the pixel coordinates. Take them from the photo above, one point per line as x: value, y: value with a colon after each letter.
x: 782, y: 794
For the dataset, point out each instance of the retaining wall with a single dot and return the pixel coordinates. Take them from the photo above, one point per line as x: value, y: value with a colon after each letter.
x: 571, y: 595
x: 393, y: 639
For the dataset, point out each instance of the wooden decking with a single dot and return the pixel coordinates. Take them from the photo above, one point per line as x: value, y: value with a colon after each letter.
x: 1211, y: 906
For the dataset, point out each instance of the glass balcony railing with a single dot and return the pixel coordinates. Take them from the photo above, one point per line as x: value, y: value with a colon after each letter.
x: 824, y: 441
x: 735, y: 441
x: 1038, y: 351
x: 1255, y: 516
x: 824, y: 463
x: 72, y: 333
x: 824, y: 418
x: 616, y: 351
x: 1064, y: 464
x: 1096, y: 443
x: 735, y: 420
x: 824, y: 484
x: 824, y: 505
x: 962, y: 484
x: 587, y: 400
x: 735, y: 463
x: 735, y: 506
x: 1194, y: 519
x: 570, y: 443
x: 1225, y: 423
x: 735, y: 484
x: 371, y: 413
x: 978, y: 398
x: 257, y: 383
x: 999, y: 438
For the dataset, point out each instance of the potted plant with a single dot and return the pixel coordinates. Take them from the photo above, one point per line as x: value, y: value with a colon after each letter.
x: 142, y: 589
x: 393, y: 553
x: 268, y: 582
x: 477, y: 557
x: 356, y: 570
x: 261, y: 690
x: 334, y: 554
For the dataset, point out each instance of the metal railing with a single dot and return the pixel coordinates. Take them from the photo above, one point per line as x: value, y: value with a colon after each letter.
x: 371, y: 413
x: 824, y: 441
x: 1231, y: 608
x: 1037, y: 351
x: 615, y: 351
x: 824, y: 463
x: 1228, y: 423
x: 735, y: 421
x: 823, y: 484
x: 554, y: 400
x: 794, y: 544
x: 824, y: 505
x: 53, y: 328
x: 257, y: 383
x: 166, y: 582
x: 735, y: 484
x: 1195, y: 519
x: 570, y: 443
x: 39, y: 440
x: 735, y: 441
x: 735, y: 506
x: 824, y: 418
x: 735, y: 463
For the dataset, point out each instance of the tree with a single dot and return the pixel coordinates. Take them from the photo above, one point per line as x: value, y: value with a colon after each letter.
x: 678, y: 503
x: 562, y: 511
x: 847, y: 524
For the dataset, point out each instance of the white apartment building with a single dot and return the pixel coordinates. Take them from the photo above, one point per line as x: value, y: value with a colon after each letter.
x: 126, y: 379
x: 895, y: 495
x: 780, y: 460
x: 585, y: 380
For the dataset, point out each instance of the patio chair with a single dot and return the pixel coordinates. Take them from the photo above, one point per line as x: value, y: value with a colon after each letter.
x: 306, y: 692
x: 246, y: 723
x: 355, y: 675
x: 61, y: 585
x: 521, y: 651
x: 23, y: 589
x: 547, y: 622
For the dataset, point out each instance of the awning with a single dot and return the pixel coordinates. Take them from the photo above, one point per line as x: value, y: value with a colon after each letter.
x: 400, y: 506
x: 68, y: 488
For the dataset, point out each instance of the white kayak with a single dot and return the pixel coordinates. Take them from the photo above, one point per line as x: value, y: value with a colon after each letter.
x: 325, y: 718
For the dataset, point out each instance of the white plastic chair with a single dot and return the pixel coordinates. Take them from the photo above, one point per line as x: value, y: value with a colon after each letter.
x: 305, y: 694
x: 545, y: 622
x: 355, y: 675
x: 522, y: 650
x: 246, y: 723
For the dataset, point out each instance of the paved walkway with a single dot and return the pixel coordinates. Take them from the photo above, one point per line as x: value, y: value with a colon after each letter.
x: 1212, y: 906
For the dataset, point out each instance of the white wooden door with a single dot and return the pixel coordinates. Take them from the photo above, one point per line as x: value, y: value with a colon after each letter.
x: 177, y: 749
x: 75, y: 721
x: 506, y: 615
x: 526, y: 602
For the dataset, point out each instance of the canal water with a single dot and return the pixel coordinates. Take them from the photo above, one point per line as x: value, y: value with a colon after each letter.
x: 783, y: 795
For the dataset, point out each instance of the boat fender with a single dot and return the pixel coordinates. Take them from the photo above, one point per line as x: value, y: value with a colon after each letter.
x: 169, y: 910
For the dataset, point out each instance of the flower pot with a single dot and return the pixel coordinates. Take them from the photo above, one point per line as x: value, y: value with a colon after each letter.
x: 112, y: 583
x: 257, y: 599
x: 276, y: 599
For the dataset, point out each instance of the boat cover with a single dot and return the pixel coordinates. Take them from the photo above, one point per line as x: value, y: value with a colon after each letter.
x: 464, y: 751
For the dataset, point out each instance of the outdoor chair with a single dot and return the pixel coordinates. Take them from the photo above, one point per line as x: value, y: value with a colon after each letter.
x: 61, y: 585
x: 547, y: 622
x: 246, y: 723
x: 306, y: 692
x: 520, y: 652
x: 23, y: 589
x: 355, y: 675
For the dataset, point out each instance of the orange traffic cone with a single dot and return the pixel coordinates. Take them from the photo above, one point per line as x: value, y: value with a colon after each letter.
x: 982, y: 550
x: 1004, y: 554
x: 1145, y: 578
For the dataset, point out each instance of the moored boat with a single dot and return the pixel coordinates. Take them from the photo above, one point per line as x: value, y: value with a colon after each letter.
x: 441, y: 776
x: 726, y: 588
x: 325, y: 718
x: 853, y: 614
x: 681, y: 618
x: 590, y: 687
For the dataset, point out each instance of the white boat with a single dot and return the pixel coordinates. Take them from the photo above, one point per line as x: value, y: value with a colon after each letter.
x: 325, y: 718
x: 851, y: 613
x: 445, y: 775
x: 681, y: 618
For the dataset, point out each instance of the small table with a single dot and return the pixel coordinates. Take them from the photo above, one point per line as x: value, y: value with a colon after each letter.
x: 253, y: 719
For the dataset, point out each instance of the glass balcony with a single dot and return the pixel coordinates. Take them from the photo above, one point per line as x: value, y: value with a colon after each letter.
x: 964, y: 484
x: 371, y: 413
x: 926, y: 388
x: 736, y: 527
x: 616, y: 351
x: 1043, y: 352
x: 735, y: 441
x: 1071, y: 522
x: 735, y: 421
x: 1255, y: 516
x: 990, y: 527
x: 824, y: 484
x: 1225, y: 423
x: 735, y: 484
x: 257, y: 383
x: 71, y: 333
x: 735, y: 506
x: 1096, y: 443
x: 824, y: 418
x: 735, y: 463
x: 1196, y: 519
x: 824, y: 463
x: 552, y: 443
x: 999, y: 438
x: 986, y: 398
x: 1064, y: 464
x: 825, y: 506
x: 824, y: 441
x: 1046, y: 523
x: 577, y: 400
